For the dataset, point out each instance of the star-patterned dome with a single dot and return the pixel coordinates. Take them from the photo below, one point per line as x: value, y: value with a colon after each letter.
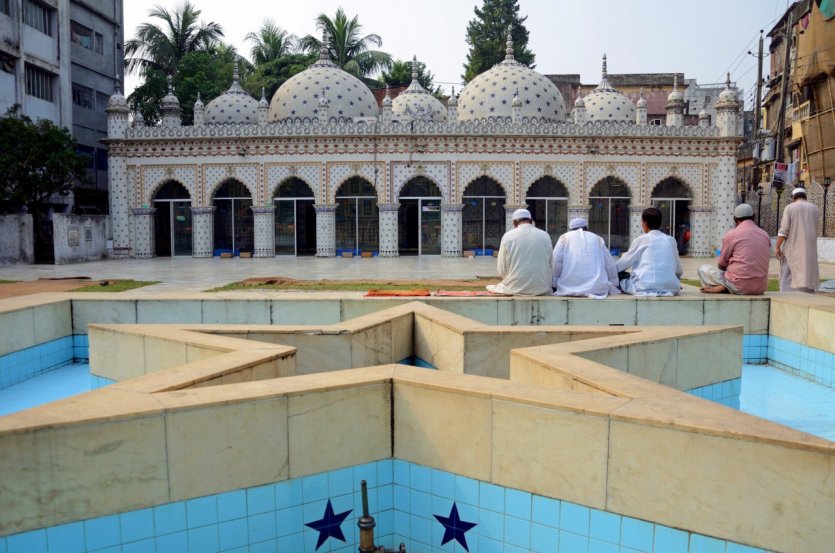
x: 604, y: 103
x: 415, y: 103
x: 491, y: 93
x: 298, y: 97
x: 233, y: 107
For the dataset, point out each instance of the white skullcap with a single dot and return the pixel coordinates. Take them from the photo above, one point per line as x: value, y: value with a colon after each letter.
x: 521, y: 214
x: 798, y: 190
x: 577, y: 223
x: 743, y: 210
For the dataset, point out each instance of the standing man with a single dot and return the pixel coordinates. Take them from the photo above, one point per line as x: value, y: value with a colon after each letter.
x: 653, y: 258
x: 524, y: 261
x: 743, y: 263
x: 799, y: 233
x: 582, y: 264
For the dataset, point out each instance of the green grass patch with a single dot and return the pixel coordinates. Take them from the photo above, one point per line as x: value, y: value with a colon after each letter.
x: 773, y: 284
x: 116, y: 285
x: 7, y: 281
x: 349, y: 286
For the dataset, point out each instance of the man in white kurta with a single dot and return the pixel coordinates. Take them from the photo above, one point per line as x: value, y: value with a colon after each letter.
x: 524, y: 261
x: 653, y: 258
x: 582, y: 264
x: 797, y: 245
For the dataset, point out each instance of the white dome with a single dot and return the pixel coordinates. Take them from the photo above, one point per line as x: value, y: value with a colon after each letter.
x: 579, y: 102
x: 232, y: 107
x: 642, y: 102
x: 491, y: 93
x: 604, y: 103
x: 727, y: 96
x: 676, y: 95
x: 298, y: 97
x: 416, y: 103
x: 169, y: 102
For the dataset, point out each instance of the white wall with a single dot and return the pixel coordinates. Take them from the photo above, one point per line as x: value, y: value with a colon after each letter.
x: 79, y: 238
x: 17, y: 239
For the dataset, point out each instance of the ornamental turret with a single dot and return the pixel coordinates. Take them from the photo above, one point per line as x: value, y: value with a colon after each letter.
x: 641, y: 109
x: 727, y: 110
x: 117, y: 115
x: 199, y: 112
x: 170, y: 107
x: 516, y: 107
x: 579, y: 110
x: 385, y: 109
x: 675, y: 105
x: 452, y: 107
x: 263, y: 108
x: 322, y: 109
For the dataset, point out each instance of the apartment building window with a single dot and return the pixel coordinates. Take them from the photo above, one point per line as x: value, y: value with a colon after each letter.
x: 38, y: 16
x: 101, y: 101
x: 7, y: 63
x: 81, y: 35
x: 82, y: 96
x: 5, y: 7
x: 98, y: 45
x: 40, y: 83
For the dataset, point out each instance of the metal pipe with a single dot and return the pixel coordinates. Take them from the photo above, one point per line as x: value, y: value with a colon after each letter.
x: 366, y: 524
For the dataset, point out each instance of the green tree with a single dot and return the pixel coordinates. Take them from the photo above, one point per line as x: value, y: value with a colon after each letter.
x: 348, y: 48
x: 400, y: 74
x: 38, y: 160
x: 487, y: 37
x: 270, y: 43
x: 272, y: 74
x: 162, y: 45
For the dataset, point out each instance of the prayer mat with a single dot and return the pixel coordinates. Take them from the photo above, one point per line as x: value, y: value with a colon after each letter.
x: 397, y: 293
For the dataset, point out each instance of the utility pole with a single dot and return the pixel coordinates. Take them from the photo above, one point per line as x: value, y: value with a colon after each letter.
x: 757, y: 106
x: 784, y: 87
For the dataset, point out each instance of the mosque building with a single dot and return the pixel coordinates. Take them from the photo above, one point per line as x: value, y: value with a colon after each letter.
x: 323, y: 170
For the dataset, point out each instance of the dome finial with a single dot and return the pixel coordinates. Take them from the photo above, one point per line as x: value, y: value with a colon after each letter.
x: 728, y: 81
x: 509, y: 50
x: 236, y: 76
x: 324, y: 54
x: 263, y: 94
x: 414, y: 68
x: 675, y: 82
x: 605, y: 71
x: 170, y: 81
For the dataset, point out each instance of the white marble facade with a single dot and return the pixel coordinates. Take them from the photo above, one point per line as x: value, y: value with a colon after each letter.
x: 513, y: 145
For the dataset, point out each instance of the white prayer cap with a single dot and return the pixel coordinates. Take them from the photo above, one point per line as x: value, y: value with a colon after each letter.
x: 743, y: 210
x: 798, y: 190
x: 521, y: 214
x: 577, y: 223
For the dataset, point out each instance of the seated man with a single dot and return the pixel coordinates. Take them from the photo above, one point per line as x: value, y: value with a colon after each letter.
x: 653, y: 258
x: 582, y: 264
x: 524, y: 261
x: 743, y: 262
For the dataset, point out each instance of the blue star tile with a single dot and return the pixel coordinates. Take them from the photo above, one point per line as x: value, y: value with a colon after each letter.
x: 330, y: 525
x: 454, y: 527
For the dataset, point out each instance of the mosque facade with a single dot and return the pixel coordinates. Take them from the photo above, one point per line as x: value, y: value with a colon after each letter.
x: 323, y: 170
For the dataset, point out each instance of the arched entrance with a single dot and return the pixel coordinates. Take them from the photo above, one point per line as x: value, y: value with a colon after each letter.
x: 419, y: 218
x: 357, y: 217
x: 609, y: 213
x: 172, y: 221
x: 547, y: 201
x: 234, y: 223
x: 483, y: 216
x: 295, y: 218
x: 672, y: 197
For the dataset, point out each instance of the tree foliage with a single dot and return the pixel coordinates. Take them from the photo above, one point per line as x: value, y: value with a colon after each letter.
x: 400, y: 74
x: 487, y: 37
x: 270, y: 43
x: 38, y: 160
x: 347, y: 46
x: 161, y: 45
x: 271, y: 75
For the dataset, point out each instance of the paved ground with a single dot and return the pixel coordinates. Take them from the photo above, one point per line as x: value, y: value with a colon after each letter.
x: 193, y: 275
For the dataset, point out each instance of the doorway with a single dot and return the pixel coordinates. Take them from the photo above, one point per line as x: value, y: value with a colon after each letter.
x: 295, y: 218
x: 172, y: 221
x: 419, y: 218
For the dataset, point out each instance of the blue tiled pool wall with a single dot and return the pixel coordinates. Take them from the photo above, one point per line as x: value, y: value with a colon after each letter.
x: 755, y: 349
x: 726, y: 393
x: 408, y: 501
x: 811, y: 363
x: 27, y: 363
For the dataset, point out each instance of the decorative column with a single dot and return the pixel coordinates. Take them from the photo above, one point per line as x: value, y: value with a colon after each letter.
x: 635, y: 229
x: 203, y: 233
x: 264, y: 231
x: 700, y: 242
x: 508, y: 214
x: 325, y: 230
x: 388, y: 229
x: 575, y: 211
x: 451, y: 223
x: 143, y: 219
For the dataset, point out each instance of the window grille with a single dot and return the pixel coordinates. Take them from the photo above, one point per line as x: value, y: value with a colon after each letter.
x: 99, y: 44
x: 38, y: 16
x: 6, y: 7
x: 82, y: 96
x: 101, y: 100
x: 40, y: 83
x: 81, y: 35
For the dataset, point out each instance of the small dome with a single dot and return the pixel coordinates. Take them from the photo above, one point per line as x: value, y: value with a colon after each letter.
x: 416, y: 103
x: 138, y: 119
x: 604, y: 103
x: 199, y: 103
x: 298, y: 97
x: 491, y: 93
x: 676, y: 95
x: 233, y: 107
x: 387, y: 99
x: 170, y: 101
x: 579, y: 102
x: 728, y: 95
x: 642, y: 102
x: 263, y: 103
x: 117, y: 101
x: 453, y: 99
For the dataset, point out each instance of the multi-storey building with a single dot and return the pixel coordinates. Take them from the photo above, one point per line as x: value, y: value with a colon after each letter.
x: 61, y: 60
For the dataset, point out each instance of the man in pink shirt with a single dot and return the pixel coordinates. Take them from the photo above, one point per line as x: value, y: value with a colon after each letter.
x: 743, y: 263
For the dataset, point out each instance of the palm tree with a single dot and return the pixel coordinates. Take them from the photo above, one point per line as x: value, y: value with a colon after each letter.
x: 270, y: 43
x: 163, y: 46
x: 347, y: 47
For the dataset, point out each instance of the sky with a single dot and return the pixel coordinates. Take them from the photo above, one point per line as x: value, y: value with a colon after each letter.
x: 704, y: 39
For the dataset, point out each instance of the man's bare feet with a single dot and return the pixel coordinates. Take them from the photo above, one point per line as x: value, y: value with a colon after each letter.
x: 718, y: 289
